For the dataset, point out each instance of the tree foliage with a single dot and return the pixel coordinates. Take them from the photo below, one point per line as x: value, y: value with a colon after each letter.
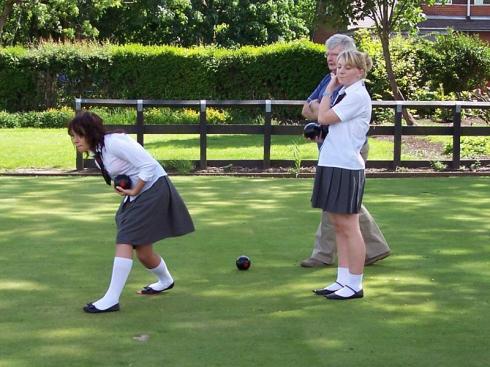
x: 179, y: 22
x: 389, y: 16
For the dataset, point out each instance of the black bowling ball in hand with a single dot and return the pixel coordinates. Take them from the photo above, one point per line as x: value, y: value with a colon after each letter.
x: 122, y: 181
x: 243, y: 263
x: 312, y: 130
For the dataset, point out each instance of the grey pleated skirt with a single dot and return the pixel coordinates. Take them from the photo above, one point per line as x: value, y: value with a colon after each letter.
x: 157, y: 213
x: 338, y: 190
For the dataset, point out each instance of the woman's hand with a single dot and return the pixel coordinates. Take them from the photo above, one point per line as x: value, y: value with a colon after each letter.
x: 133, y: 191
x: 333, y: 84
x: 123, y: 192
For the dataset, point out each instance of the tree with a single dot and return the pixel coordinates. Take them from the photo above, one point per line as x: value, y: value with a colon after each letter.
x: 202, y: 22
x: 389, y: 16
x: 6, y: 7
x: 30, y: 21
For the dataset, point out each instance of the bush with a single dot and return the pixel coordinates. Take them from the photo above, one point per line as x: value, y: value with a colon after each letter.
x: 52, y: 74
x: 47, y: 119
x: 451, y: 63
x: 457, y: 61
x: 405, y: 65
x: 59, y: 118
x: 471, y: 147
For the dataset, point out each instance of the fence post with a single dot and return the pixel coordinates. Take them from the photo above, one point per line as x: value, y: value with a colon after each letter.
x: 140, y: 136
x: 456, y: 164
x: 79, y: 156
x: 267, y: 133
x: 203, y: 163
x: 397, y: 137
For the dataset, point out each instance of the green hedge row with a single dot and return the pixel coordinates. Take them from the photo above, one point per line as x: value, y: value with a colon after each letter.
x: 53, y: 74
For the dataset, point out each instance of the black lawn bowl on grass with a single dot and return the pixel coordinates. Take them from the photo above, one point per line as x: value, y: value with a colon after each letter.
x: 243, y: 262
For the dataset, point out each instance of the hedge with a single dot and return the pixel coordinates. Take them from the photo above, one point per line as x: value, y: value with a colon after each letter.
x: 52, y: 74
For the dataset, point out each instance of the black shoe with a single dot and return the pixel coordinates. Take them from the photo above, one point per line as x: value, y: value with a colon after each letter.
x: 324, y: 292
x: 150, y: 291
x: 335, y: 296
x: 90, y: 308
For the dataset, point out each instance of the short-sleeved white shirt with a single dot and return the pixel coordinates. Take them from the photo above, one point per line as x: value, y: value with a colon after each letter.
x: 342, y: 145
x: 123, y: 155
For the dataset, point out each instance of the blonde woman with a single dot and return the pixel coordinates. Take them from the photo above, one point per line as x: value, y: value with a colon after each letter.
x: 339, y: 179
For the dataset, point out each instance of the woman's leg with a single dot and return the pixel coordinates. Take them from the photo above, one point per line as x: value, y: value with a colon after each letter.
x: 156, y: 265
x: 343, y: 264
x: 351, y: 250
x: 122, y: 267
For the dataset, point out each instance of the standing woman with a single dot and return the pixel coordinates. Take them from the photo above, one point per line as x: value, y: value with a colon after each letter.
x: 151, y: 209
x: 339, y: 178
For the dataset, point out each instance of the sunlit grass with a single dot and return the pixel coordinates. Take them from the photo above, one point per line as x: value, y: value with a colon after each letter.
x: 430, y: 298
x: 52, y: 148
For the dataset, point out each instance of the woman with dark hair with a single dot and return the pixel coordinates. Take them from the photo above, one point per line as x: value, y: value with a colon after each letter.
x: 151, y: 209
x: 339, y: 178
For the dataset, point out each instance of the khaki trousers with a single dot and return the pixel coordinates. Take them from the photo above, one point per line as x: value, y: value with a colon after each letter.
x: 325, y: 249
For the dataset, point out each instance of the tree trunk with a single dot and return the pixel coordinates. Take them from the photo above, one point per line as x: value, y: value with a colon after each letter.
x: 7, y: 8
x: 397, y: 95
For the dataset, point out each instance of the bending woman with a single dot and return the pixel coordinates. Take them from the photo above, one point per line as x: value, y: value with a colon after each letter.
x: 339, y: 178
x: 151, y: 209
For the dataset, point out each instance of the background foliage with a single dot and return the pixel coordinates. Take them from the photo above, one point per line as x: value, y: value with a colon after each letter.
x: 177, y: 22
x: 52, y: 74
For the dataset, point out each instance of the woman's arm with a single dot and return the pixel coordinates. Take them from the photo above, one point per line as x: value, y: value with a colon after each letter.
x: 326, y: 116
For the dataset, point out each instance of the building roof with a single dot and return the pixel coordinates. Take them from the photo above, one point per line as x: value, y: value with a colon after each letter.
x: 464, y: 25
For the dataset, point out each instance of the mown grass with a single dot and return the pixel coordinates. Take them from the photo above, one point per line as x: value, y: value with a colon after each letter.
x: 424, y: 305
x: 52, y: 148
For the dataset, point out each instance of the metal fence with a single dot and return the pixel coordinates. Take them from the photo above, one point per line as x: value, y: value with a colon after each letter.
x: 397, y: 130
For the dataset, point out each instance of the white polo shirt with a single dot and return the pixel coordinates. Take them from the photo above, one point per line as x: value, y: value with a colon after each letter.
x: 344, y: 141
x: 123, y: 155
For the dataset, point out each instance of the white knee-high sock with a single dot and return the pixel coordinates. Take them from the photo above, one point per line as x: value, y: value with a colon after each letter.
x: 120, y: 273
x: 163, y: 275
x: 343, y: 277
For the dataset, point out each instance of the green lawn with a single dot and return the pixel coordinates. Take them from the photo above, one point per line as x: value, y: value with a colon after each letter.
x: 426, y: 305
x: 52, y: 148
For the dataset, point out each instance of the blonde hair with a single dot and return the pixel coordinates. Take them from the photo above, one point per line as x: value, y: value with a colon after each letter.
x: 357, y: 59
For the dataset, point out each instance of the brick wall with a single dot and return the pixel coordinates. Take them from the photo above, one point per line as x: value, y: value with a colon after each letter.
x: 481, y: 10
x: 456, y: 10
x: 453, y: 10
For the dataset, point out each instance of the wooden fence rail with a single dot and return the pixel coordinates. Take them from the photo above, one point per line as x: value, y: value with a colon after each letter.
x: 397, y: 130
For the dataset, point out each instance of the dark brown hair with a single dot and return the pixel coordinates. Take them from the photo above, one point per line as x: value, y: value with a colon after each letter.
x: 90, y: 126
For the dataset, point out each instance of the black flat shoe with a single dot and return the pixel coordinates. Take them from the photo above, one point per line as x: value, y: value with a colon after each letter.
x: 90, y: 308
x: 149, y: 291
x: 334, y: 296
x: 325, y: 292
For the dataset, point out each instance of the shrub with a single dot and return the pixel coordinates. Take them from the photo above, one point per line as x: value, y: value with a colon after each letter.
x: 457, y: 61
x: 52, y: 74
x: 471, y: 147
x: 48, y: 119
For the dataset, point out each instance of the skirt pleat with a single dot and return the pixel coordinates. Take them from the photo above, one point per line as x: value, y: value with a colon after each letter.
x: 338, y: 190
x: 157, y: 213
